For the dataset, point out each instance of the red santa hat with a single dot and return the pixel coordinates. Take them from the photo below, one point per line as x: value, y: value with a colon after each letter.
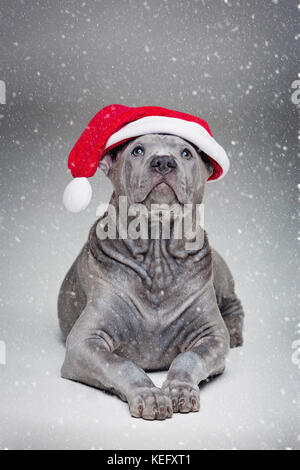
x: 116, y: 124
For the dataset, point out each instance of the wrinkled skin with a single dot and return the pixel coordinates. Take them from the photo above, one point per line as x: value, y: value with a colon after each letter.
x: 131, y: 306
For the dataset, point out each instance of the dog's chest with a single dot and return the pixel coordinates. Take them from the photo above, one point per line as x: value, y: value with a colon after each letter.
x: 157, y: 333
x: 154, y: 301
x: 150, y: 344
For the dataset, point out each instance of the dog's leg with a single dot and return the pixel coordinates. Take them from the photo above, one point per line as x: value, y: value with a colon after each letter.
x: 229, y: 304
x: 233, y: 316
x: 204, y: 359
x: 90, y: 359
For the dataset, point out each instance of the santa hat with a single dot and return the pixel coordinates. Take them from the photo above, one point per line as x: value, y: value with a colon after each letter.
x: 116, y: 124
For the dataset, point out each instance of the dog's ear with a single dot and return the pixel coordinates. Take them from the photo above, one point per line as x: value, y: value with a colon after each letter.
x: 106, y: 162
x: 208, y: 164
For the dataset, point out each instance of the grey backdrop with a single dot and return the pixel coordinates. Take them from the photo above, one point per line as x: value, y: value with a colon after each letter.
x: 231, y: 62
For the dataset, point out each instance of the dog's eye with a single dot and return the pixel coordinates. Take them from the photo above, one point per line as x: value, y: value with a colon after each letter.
x: 186, y: 153
x: 138, y: 151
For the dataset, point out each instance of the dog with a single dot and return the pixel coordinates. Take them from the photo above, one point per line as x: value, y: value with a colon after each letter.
x: 129, y: 306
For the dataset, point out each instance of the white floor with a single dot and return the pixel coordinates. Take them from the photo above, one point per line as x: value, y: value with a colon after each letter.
x: 253, y: 405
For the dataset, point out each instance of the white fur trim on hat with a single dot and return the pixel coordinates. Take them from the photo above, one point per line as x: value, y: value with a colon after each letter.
x: 188, y: 130
x: 77, y: 195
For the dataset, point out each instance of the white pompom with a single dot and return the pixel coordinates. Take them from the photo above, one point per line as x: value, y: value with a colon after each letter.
x: 77, y: 195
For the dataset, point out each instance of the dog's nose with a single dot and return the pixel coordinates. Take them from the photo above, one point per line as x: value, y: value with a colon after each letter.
x: 163, y: 164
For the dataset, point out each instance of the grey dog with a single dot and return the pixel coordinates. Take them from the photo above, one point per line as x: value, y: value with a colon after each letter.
x: 133, y: 305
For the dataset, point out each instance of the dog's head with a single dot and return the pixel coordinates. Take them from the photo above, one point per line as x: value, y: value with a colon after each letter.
x: 158, y: 169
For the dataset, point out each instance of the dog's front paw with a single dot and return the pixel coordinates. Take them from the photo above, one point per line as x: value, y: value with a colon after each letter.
x: 150, y: 403
x: 185, y: 396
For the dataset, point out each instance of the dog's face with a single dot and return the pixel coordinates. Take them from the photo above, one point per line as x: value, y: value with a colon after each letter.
x: 158, y: 169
